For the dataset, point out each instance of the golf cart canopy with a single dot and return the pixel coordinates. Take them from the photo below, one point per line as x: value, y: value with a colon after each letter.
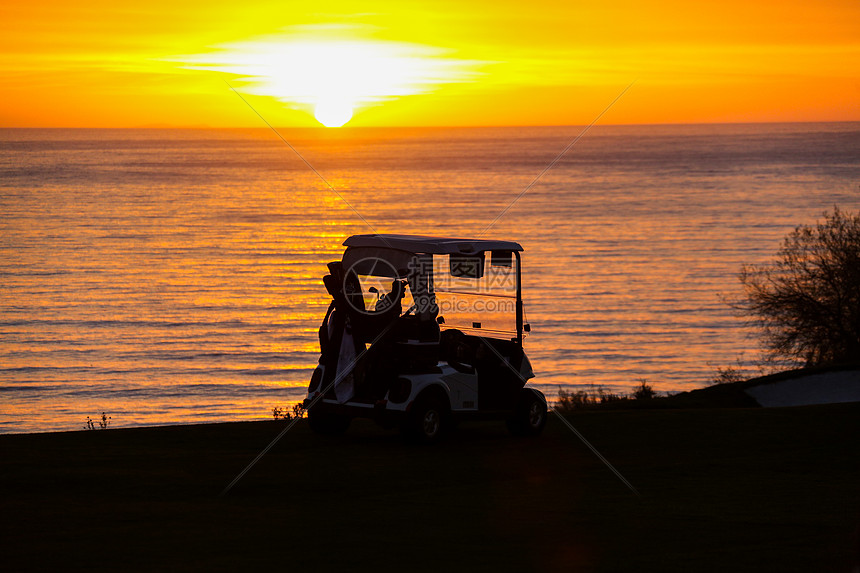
x: 468, y: 284
x: 431, y: 245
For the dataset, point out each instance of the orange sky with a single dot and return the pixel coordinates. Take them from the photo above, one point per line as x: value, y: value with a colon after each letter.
x: 499, y: 62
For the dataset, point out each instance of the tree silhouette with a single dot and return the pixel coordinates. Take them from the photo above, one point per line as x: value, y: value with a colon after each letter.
x: 807, y: 301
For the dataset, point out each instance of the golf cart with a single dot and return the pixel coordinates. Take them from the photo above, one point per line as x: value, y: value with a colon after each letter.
x: 421, y: 333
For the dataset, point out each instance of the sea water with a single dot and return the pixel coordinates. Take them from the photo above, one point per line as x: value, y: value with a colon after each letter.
x: 174, y: 276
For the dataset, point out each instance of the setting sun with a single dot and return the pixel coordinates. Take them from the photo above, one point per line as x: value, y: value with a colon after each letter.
x: 332, y: 77
x: 333, y: 112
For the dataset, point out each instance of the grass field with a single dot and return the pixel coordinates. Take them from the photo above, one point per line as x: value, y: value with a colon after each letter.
x: 720, y: 490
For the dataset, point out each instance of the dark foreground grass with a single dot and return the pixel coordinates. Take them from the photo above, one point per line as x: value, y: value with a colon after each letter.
x: 721, y: 490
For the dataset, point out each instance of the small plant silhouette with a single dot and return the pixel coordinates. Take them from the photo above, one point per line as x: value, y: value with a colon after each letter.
x: 643, y: 391
x: 582, y: 399
x: 101, y: 424
x: 279, y: 413
x: 569, y: 402
x: 728, y: 375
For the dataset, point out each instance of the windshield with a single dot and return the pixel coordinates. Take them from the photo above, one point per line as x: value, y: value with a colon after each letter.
x: 471, y: 292
x: 477, y: 294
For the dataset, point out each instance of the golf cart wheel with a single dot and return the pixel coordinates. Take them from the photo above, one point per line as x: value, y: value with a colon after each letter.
x: 427, y: 421
x: 327, y: 424
x: 530, y: 416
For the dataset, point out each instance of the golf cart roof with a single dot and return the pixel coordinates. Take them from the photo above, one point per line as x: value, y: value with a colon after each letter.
x: 431, y: 245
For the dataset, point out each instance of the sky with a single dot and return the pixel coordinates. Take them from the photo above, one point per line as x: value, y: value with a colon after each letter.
x: 440, y: 63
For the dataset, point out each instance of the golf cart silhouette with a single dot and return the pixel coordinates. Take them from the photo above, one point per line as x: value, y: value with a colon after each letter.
x: 421, y: 333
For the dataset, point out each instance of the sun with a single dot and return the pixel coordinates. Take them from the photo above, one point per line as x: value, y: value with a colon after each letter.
x: 333, y: 112
x: 334, y: 76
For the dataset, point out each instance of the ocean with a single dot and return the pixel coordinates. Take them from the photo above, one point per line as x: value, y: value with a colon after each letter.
x: 174, y: 276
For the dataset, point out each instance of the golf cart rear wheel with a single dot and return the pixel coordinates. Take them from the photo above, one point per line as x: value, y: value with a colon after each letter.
x: 326, y: 423
x: 530, y: 416
x: 427, y: 421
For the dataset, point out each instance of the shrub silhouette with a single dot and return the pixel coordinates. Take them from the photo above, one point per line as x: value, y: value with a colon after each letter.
x: 807, y: 301
x: 643, y: 391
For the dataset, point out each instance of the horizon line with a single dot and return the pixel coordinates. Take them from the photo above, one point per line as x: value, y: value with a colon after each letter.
x: 348, y: 127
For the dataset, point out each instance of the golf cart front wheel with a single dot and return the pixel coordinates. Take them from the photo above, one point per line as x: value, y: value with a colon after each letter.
x: 530, y: 416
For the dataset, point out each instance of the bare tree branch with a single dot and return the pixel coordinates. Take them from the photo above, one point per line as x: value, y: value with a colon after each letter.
x: 807, y: 301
